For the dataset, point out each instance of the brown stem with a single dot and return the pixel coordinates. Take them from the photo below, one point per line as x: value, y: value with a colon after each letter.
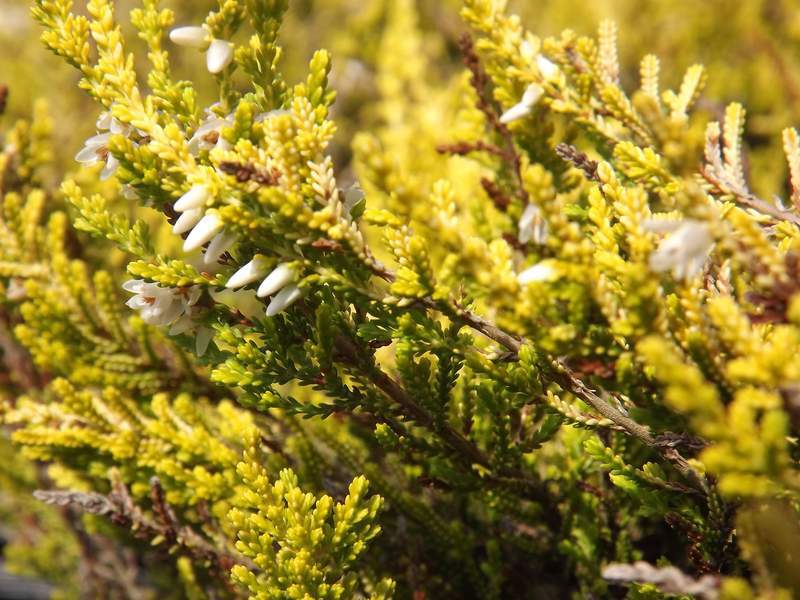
x: 567, y: 379
x: 121, y: 510
x: 746, y: 197
x: 464, y: 448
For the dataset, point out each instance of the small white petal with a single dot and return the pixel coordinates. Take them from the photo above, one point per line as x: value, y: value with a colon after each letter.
x: 116, y: 127
x: 252, y: 271
x: 104, y: 121
x: 265, y: 116
x: 193, y: 37
x: 221, y: 243
x: 244, y: 301
x: 111, y: 166
x: 182, y: 325
x: 187, y: 220
x: 222, y: 144
x: 281, y: 276
x: 172, y: 311
x: 203, y: 232
x: 98, y: 141
x: 532, y: 94
x: 191, y: 298
x: 284, y: 299
x: 685, y: 251
x: 204, y: 336
x: 515, y: 113
x: 661, y: 225
x: 211, y: 124
x: 198, y: 141
x: 219, y: 56
x: 134, y: 286
x: 196, y: 197
x: 196, y: 145
x: 541, y: 271
x: 529, y: 215
x: 548, y: 69
x: 352, y: 196
x: 527, y: 52
x: 137, y: 302
x: 88, y: 155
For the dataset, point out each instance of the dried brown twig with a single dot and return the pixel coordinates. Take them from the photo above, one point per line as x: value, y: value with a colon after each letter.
x: 120, y: 509
x: 244, y: 172
x: 578, y: 160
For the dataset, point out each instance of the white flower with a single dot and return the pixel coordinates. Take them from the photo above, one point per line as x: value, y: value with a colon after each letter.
x: 252, y: 271
x: 95, y: 150
x: 244, y: 301
x: 209, y: 226
x: 281, y: 276
x: 524, y: 107
x: 205, y: 228
x: 187, y: 220
x: 196, y: 197
x: 190, y: 36
x: 532, y: 226
x: 162, y: 306
x: 209, y: 135
x: 284, y: 299
x: 159, y: 305
x: 684, y: 251
x: 106, y: 122
x: 542, y: 271
x: 547, y: 68
x: 219, y: 245
x: 204, y: 335
x: 219, y: 56
x: 129, y: 192
x: 219, y: 53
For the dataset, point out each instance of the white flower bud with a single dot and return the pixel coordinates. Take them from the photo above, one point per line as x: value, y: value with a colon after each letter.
x: 532, y: 226
x: 204, y: 336
x: 515, y: 113
x: 547, y: 68
x: 284, y: 299
x: 524, y: 107
x: 252, y: 271
x: 187, y: 220
x: 532, y: 94
x: 196, y: 197
x: 281, y: 276
x: 218, y: 246
x: 541, y: 271
x: 206, y: 229
x: 219, y: 56
x: 193, y: 37
x: 685, y: 251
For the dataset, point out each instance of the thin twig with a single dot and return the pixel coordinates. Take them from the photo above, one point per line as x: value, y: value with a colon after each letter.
x: 348, y: 352
x: 569, y: 380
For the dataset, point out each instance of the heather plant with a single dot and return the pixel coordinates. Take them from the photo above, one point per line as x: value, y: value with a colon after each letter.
x: 523, y: 328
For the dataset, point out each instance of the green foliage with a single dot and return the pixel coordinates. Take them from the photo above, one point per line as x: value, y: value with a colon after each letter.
x: 554, y: 321
x: 301, y: 546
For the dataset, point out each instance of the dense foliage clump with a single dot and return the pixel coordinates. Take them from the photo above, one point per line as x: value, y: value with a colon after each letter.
x: 526, y: 326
